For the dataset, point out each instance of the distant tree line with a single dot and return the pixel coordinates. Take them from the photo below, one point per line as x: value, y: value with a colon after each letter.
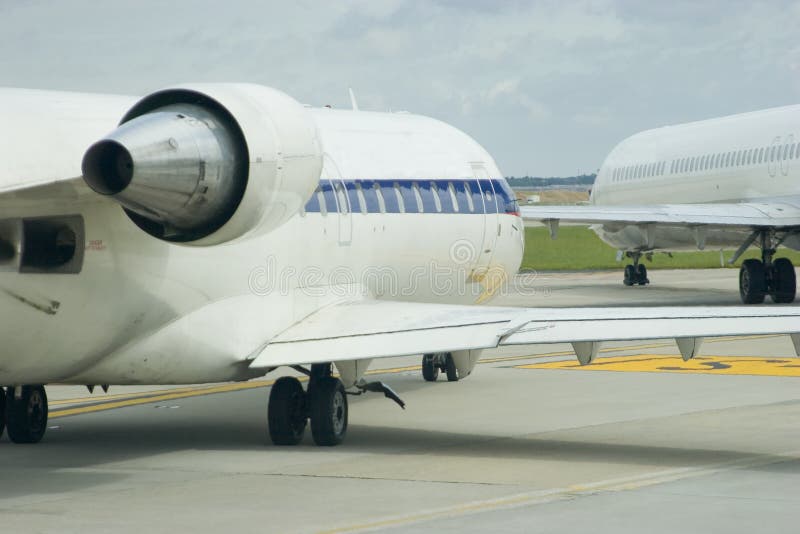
x: 535, y: 181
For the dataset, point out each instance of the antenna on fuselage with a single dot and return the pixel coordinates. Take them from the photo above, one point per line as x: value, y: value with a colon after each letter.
x: 353, y: 99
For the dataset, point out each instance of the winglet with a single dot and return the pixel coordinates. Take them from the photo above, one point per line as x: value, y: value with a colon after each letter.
x: 689, y: 346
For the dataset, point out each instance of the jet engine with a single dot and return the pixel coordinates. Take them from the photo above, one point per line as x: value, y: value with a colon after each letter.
x: 207, y: 164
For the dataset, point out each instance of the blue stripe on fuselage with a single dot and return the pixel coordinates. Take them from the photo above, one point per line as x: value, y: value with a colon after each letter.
x: 405, y: 196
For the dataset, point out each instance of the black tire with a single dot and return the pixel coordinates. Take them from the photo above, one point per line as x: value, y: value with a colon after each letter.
x: 752, y: 282
x: 641, y: 275
x: 784, y: 281
x: 328, y: 411
x: 630, y: 275
x: 430, y: 371
x: 286, y: 412
x: 450, y: 368
x: 26, y: 417
x: 2, y: 411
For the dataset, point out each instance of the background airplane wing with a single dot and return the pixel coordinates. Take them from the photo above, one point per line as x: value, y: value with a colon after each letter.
x: 783, y: 213
x: 374, y: 329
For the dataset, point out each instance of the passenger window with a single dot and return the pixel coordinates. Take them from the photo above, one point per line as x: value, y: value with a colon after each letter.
x: 401, y: 206
x: 362, y: 201
x: 379, y: 194
x: 323, y: 209
x: 761, y: 155
x: 453, y: 198
x: 438, y: 202
x: 470, y: 202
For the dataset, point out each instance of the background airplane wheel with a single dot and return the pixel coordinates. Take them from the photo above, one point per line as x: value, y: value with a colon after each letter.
x: 752, y: 282
x: 784, y: 281
x: 430, y: 370
x: 641, y: 275
x: 286, y: 412
x: 450, y: 368
x: 2, y: 411
x: 630, y: 275
x: 328, y: 411
x: 26, y: 417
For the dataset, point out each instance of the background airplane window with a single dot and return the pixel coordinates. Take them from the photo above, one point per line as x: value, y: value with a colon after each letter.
x: 323, y: 209
x: 691, y: 164
x: 761, y: 155
x: 785, y: 152
x: 328, y: 196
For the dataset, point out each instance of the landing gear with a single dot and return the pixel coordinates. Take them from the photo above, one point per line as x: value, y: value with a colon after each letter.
x: 325, y: 404
x: 635, y: 273
x: 758, y: 278
x: 287, y: 411
x: 26, y: 413
x: 439, y: 361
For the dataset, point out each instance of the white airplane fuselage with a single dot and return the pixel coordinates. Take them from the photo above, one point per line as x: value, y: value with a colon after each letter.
x: 747, y: 157
x: 74, y: 327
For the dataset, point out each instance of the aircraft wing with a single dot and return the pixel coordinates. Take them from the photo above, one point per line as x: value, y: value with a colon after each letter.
x: 778, y: 214
x: 374, y: 329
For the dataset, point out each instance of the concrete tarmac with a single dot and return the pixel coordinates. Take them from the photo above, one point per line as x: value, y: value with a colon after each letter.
x: 525, y: 444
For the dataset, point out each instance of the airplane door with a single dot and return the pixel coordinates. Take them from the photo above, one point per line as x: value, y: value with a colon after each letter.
x: 788, y: 145
x: 345, y: 211
x: 772, y: 156
x: 491, y: 219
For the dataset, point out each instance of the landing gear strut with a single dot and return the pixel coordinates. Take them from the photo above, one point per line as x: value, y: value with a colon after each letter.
x: 757, y: 278
x: 325, y: 404
x: 26, y: 413
x: 635, y: 273
x: 439, y: 361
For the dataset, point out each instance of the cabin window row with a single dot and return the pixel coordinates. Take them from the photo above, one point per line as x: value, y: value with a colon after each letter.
x: 412, y: 196
x: 722, y: 160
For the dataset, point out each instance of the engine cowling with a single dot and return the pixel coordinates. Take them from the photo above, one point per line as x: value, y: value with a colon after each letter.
x: 207, y: 164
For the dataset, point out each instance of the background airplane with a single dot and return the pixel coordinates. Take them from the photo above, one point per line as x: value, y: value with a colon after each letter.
x: 727, y: 182
x: 220, y: 232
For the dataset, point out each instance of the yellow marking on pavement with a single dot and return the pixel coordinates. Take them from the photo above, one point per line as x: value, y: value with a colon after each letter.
x: 659, y: 363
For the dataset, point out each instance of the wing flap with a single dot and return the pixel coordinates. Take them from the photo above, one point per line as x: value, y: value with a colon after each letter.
x: 375, y: 329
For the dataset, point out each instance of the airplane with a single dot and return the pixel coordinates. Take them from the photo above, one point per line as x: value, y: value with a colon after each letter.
x: 219, y: 232
x: 728, y: 182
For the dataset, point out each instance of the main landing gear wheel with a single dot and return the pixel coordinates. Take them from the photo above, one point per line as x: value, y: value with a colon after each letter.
x: 752, y: 282
x: 328, y: 403
x: 629, y: 277
x: 287, y: 411
x: 26, y: 415
x: 784, y: 281
x: 430, y: 369
x: 641, y: 274
x: 432, y: 364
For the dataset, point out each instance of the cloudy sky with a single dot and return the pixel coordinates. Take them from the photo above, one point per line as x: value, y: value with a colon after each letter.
x: 548, y: 87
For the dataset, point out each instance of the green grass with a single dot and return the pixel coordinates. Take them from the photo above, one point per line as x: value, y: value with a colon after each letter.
x: 578, y: 248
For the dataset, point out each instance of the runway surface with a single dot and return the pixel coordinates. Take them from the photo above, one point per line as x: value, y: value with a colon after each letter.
x: 530, y: 442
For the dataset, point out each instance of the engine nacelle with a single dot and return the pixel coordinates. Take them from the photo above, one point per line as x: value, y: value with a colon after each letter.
x: 206, y: 164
